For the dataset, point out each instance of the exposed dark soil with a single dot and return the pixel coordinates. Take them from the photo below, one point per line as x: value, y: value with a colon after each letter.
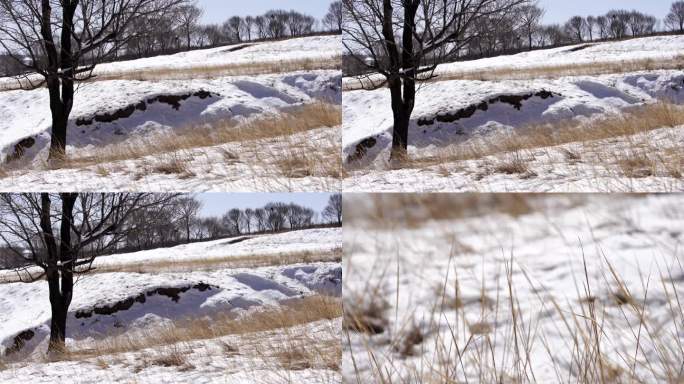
x: 173, y: 100
x: 514, y: 100
x: 238, y: 48
x: 19, y: 342
x: 20, y: 148
x: 172, y: 292
x: 361, y: 149
x: 579, y: 48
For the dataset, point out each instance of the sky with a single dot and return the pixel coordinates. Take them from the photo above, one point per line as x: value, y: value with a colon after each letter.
x: 218, y: 11
x: 559, y: 11
x: 216, y: 204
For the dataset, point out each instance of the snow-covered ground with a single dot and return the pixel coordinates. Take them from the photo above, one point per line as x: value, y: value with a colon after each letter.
x: 128, y: 111
x: 465, y: 112
x: 451, y: 296
x: 657, y: 48
x: 108, y: 304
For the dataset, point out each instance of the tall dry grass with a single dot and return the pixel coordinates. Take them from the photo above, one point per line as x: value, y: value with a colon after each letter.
x: 533, y: 72
x: 199, y: 72
x: 295, y: 313
x: 504, y: 342
x: 635, y: 155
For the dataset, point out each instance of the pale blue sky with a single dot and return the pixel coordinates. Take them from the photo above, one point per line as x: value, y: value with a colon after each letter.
x: 217, y: 11
x: 559, y: 11
x: 216, y: 204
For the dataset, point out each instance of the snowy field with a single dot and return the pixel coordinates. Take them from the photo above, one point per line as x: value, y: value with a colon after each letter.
x: 111, y: 116
x: 468, y: 113
x: 466, y: 288
x: 653, y: 49
x: 149, y: 306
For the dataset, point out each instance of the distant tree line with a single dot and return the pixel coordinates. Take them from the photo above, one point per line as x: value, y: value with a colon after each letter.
x: 522, y: 29
x: 178, y: 221
x: 57, y: 236
x: 181, y: 222
x: 179, y: 28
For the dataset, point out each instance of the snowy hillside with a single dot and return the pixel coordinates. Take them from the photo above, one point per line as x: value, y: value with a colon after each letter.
x: 559, y: 261
x: 454, y: 117
x: 654, y: 49
x: 113, y: 305
x: 126, y: 123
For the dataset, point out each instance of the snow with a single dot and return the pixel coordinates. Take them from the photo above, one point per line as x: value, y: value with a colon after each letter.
x: 573, y: 97
x: 239, y: 98
x: 107, y: 304
x: 548, y: 169
x: 327, y: 47
x: 657, y: 48
x: 640, y: 236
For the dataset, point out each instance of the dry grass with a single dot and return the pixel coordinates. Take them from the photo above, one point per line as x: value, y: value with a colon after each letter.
x: 636, y: 151
x: 249, y: 261
x: 271, y: 146
x: 540, y: 72
x: 302, y: 311
x: 301, y: 119
x: 205, y: 72
x: 505, y: 342
x: 415, y: 209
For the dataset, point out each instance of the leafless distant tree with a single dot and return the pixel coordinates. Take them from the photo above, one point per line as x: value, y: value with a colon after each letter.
x: 188, y: 18
x: 675, y: 19
x: 249, y: 217
x: 576, y: 27
x: 64, y: 40
x: 334, y: 18
x: 233, y: 221
x: 233, y: 28
x: 247, y: 26
x: 618, y: 23
x: 530, y: 18
x: 188, y: 208
x: 333, y: 211
x: 641, y: 24
x: 277, y: 23
x: 260, y: 218
x: 591, y: 25
x: 413, y: 35
x: 261, y: 24
x: 87, y: 225
x: 603, y: 25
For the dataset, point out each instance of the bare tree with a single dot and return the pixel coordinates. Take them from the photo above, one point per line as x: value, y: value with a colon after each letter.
x: 188, y: 208
x: 276, y: 216
x: 233, y: 28
x: 233, y: 220
x: 603, y: 25
x: 247, y: 26
x: 333, y: 211
x: 641, y: 24
x: 576, y: 27
x: 591, y: 24
x: 261, y: 24
x: 87, y: 224
x: 414, y: 35
x: 618, y: 23
x: 530, y: 18
x: 334, y: 18
x: 260, y: 217
x: 65, y: 40
x: 277, y: 23
x: 188, y: 18
x: 249, y: 217
x: 675, y: 19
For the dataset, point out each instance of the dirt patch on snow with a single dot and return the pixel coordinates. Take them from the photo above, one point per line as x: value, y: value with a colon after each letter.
x: 173, y: 100
x: 514, y: 100
x: 171, y: 292
x: 19, y: 342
